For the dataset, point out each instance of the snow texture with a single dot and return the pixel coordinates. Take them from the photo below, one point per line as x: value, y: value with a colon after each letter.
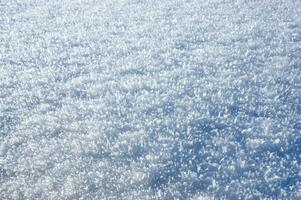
x: 149, y: 99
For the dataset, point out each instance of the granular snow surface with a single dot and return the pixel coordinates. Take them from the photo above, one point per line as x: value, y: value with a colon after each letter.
x: 149, y: 99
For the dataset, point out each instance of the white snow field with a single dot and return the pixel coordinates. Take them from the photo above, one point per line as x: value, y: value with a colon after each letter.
x: 150, y: 99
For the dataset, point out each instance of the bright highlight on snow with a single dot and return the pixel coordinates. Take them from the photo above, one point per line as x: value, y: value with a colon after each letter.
x: 149, y: 99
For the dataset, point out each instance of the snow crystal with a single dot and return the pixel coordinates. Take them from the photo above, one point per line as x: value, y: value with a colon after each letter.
x: 150, y: 99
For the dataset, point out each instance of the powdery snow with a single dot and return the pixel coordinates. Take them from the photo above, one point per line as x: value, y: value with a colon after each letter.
x: 148, y: 99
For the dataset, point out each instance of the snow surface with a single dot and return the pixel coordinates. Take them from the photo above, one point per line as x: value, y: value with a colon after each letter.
x: 149, y: 99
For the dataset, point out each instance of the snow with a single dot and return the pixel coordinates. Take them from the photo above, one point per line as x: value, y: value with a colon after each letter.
x: 132, y: 99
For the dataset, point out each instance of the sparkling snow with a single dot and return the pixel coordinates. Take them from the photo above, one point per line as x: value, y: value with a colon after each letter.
x: 148, y: 99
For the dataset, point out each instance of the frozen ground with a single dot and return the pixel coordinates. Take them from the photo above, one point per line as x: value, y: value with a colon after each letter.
x: 149, y: 99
